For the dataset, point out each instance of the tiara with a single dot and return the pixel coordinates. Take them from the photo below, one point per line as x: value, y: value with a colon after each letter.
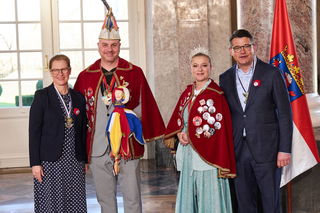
x: 197, y: 50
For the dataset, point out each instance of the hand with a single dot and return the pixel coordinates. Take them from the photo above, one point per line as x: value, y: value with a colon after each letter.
x: 283, y: 159
x: 183, y: 138
x: 37, y: 172
x: 86, y: 168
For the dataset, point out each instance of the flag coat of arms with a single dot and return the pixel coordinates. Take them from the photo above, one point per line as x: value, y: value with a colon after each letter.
x: 283, y: 55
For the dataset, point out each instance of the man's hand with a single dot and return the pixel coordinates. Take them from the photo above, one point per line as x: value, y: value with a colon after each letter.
x: 283, y: 159
x: 183, y: 138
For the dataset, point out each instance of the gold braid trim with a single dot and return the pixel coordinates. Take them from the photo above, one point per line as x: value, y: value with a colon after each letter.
x: 169, y: 142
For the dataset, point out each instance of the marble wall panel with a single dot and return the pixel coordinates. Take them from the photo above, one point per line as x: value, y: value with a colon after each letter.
x: 219, y: 16
x: 257, y: 17
x: 164, y: 39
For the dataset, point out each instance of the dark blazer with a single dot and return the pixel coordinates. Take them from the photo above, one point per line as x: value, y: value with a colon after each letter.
x: 46, y: 126
x: 267, y: 116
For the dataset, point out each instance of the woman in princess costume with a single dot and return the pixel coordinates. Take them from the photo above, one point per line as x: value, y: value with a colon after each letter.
x: 122, y: 125
x: 205, y: 155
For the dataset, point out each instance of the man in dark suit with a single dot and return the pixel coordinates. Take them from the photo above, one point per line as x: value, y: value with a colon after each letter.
x: 262, y: 124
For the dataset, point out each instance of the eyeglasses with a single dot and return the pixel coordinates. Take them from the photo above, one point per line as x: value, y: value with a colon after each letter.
x: 57, y: 71
x: 238, y: 49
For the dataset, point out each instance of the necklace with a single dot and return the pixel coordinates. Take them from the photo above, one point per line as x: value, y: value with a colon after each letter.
x: 68, y: 119
x: 245, y: 92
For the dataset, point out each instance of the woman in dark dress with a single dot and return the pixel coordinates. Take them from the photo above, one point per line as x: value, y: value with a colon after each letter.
x: 57, y: 137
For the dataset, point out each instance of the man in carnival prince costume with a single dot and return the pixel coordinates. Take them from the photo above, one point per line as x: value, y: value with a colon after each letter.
x: 97, y: 83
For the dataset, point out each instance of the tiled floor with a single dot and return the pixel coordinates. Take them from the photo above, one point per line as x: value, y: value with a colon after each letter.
x: 158, y: 189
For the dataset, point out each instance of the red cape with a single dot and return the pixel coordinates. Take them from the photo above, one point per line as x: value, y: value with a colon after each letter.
x: 217, y: 149
x: 141, y: 101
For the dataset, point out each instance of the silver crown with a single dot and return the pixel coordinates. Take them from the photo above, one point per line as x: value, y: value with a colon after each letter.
x: 197, y: 50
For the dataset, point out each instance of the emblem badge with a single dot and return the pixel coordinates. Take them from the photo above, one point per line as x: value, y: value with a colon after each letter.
x: 179, y: 122
x: 199, y: 130
x: 212, y: 109
x: 206, y: 115
x: 205, y: 108
x: 217, y: 125
x: 206, y: 127
x: 197, y: 121
x: 89, y: 92
x: 211, y: 120
x: 202, y: 102
x: 200, y: 109
x: 219, y: 116
x: 210, y: 102
x: 207, y: 134
x: 212, y: 131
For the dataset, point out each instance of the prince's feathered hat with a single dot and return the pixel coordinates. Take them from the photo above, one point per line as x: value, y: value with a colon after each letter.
x: 110, y: 29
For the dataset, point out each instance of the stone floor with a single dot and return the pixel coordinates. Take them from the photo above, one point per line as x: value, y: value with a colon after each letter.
x: 158, y: 189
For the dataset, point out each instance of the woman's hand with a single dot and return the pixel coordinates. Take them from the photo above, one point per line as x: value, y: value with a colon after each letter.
x: 183, y: 138
x: 37, y: 172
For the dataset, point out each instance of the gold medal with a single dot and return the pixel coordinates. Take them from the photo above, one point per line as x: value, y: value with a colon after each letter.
x: 245, y: 95
x: 69, y: 122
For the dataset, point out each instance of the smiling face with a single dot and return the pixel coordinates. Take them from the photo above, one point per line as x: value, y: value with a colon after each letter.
x: 200, y: 68
x: 242, y: 50
x: 60, y: 72
x: 109, y: 50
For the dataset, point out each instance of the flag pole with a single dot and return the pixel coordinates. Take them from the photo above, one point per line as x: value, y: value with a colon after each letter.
x: 289, y: 197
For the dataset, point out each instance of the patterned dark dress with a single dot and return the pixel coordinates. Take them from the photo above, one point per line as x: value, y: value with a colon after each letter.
x: 63, y: 186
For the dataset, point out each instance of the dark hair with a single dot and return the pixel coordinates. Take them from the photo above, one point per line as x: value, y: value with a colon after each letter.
x: 59, y: 57
x: 240, y: 34
x: 202, y: 54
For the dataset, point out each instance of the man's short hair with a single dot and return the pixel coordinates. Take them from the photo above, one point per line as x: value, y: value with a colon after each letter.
x: 240, y: 34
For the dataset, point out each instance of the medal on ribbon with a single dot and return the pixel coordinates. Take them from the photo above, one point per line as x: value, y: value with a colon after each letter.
x: 68, y: 120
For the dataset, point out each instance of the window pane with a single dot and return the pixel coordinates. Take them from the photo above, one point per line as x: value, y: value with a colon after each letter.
x: 7, y: 10
x: 125, y: 54
x: 10, y: 93
x: 124, y: 34
x: 31, y: 65
x: 8, y: 37
x: 93, y: 10
x: 90, y: 57
x: 91, y: 34
x: 119, y: 9
x: 29, y: 36
x: 28, y: 10
x: 76, y: 62
x: 69, y: 9
x: 27, y: 90
x: 70, y: 35
x: 71, y: 82
x: 8, y: 66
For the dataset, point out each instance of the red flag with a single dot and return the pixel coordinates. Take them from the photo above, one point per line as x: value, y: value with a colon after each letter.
x: 283, y: 55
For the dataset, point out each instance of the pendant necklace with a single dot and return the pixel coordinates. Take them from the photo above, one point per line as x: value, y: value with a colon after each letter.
x: 68, y: 119
x: 245, y: 92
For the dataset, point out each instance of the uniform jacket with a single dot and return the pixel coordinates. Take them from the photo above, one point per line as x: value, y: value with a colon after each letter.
x: 46, y: 126
x: 208, y: 112
x: 267, y: 116
x: 141, y: 101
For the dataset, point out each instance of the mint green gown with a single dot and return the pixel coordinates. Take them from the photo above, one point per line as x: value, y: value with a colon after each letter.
x: 200, y: 190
